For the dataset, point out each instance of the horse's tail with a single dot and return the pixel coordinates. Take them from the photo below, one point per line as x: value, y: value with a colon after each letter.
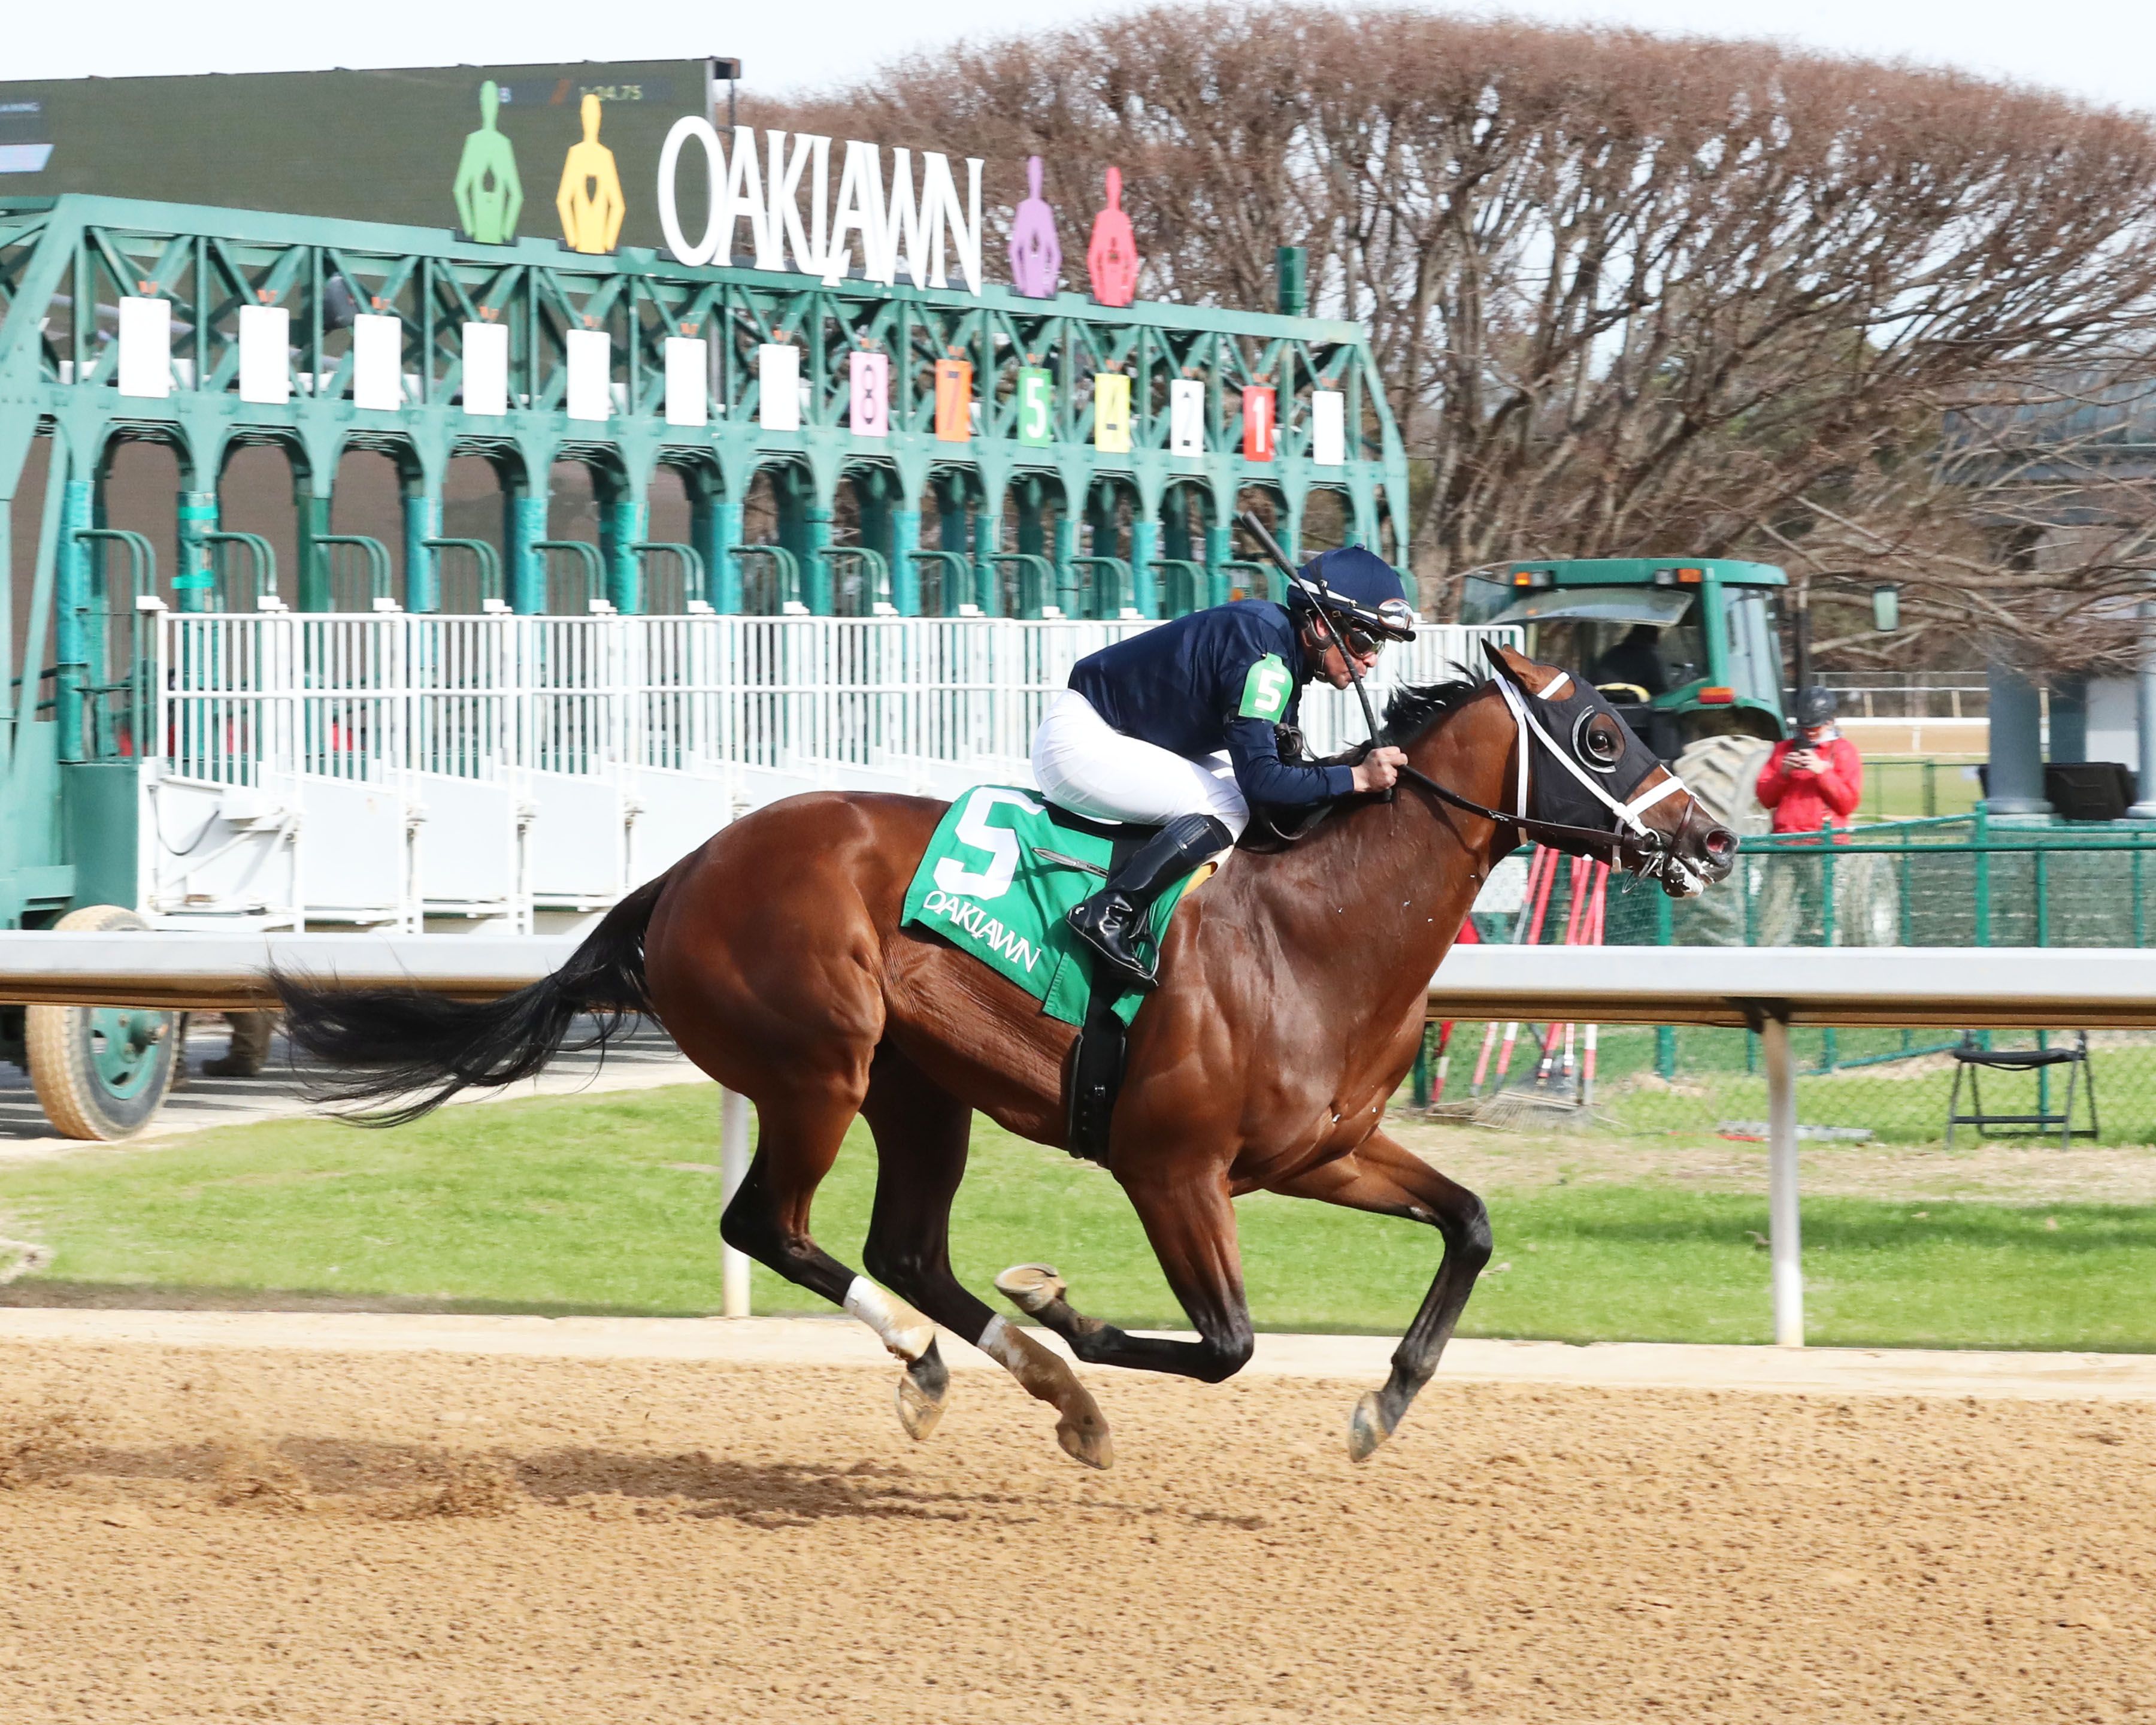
x: 400, y: 1043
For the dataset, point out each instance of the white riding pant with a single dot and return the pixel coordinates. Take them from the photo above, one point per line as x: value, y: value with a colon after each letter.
x: 1084, y: 764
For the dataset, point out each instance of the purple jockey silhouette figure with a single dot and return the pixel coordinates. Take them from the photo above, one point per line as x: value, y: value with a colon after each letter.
x: 1036, y: 258
x: 1112, y: 259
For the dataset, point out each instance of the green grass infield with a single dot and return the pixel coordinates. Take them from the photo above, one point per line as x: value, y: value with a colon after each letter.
x: 610, y: 1204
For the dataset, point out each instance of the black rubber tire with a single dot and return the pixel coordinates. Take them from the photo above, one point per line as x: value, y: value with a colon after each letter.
x: 1721, y: 772
x: 64, y: 1043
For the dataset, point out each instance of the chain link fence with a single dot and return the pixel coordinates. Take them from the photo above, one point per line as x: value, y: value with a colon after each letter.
x: 1959, y: 881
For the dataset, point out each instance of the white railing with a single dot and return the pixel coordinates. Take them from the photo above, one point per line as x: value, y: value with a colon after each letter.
x: 1768, y: 987
x: 383, y: 769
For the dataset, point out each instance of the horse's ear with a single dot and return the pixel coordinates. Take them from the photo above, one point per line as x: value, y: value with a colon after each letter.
x: 1509, y: 665
x: 1518, y: 669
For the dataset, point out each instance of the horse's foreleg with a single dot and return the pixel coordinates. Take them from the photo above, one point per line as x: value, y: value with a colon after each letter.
x: 1385, y: 1177
x: 1192, y: 1225
x: 921, y: 1132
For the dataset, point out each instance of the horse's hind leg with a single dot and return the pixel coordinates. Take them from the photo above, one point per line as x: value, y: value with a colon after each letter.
x: 921, y: 1132
x: 1386, y: 1177
x: 1191, y: 1224
x: 798, y: 1139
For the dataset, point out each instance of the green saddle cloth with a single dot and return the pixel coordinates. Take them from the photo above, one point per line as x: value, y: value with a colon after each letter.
x: 1004, y: 868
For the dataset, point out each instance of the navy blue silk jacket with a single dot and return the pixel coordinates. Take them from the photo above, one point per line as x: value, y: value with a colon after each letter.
x: 1212, y: 680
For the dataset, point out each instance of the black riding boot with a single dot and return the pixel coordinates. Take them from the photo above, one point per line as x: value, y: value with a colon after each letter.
x: 1111, y: 921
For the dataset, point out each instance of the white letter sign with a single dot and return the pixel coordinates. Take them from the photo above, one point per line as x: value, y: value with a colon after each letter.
x: 265, y: 352
x: 486, y: 368
x: 146, y: 346
x: 779, y: 376
x: 669, y: 219
x: 688, y: 368
x: 1328, y: 428
x: 922, y: 227
x: 377, y: 363
x: 591, y: 367
x: 1186, y: 417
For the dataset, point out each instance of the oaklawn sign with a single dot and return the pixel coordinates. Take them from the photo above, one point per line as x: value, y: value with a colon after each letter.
x: 929, y: 226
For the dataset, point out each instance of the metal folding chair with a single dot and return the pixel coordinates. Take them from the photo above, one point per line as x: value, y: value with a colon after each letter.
x: 1971, y: 1059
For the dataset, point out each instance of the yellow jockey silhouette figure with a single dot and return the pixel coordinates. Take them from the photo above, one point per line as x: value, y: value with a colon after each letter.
x: 590, y: 200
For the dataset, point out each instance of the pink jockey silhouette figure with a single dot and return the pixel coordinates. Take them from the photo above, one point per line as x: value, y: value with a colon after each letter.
x: 1112, y: 259
x: 1036, y: 257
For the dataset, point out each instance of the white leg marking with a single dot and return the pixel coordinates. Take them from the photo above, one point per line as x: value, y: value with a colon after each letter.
x: 1081, y: 1431
x: 904, y: 1331
x: 1003, y: 1345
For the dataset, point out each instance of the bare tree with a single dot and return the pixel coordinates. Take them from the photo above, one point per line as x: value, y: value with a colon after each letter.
x: 1638, y: 295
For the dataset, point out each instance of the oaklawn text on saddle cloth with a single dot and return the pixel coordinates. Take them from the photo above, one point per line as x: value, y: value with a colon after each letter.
x: 999, y: 879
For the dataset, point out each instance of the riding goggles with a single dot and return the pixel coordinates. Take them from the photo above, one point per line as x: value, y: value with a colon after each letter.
x: 1364, y: 630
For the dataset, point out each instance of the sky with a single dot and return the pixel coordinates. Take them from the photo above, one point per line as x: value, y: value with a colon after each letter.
x: 2102, y: 51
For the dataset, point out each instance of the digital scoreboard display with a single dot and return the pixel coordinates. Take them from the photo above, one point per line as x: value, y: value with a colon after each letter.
x: 568, y: 152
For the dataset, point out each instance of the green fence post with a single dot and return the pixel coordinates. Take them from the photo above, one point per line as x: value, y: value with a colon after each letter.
x: 2140, y: 919
x: 422, y: 521
x: 1828, y: 1048
x: 1983, y: 890
x: 2043, y: 897
x: 195, y: 581
x: 1665, y: 1035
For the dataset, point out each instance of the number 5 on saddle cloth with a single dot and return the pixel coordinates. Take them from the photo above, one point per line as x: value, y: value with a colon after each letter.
x: 997, y: 881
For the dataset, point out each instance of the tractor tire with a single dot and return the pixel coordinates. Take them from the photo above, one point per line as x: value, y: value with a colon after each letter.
x: 100, y: 1072
x: 1722, y: 772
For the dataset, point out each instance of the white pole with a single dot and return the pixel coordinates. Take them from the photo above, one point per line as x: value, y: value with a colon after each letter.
x: 733, y: 1169
x: 1784, y: 1235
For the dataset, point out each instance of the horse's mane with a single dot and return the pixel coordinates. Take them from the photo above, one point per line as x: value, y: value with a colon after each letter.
x: 1417, y: 707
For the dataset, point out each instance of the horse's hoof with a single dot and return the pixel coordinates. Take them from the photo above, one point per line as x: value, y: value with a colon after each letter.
x: 1033, y: 1288
x: 1367, y: 1428
x: 922, y: 1392
x: 918, y: 1411
x: 1086, y: 1439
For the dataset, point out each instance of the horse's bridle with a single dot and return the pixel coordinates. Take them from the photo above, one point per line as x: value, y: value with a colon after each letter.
x: 1632, y: 844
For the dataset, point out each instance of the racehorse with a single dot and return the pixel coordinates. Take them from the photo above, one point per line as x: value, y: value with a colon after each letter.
x: 1291, y: 1005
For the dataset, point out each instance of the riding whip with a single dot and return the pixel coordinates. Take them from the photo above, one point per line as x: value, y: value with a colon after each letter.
x: 1256, y: 529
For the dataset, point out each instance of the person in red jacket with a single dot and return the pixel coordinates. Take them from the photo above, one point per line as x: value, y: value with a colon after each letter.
x: 1815, y: 780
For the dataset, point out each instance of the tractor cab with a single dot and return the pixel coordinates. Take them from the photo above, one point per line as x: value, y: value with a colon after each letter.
x: 1687, y: 649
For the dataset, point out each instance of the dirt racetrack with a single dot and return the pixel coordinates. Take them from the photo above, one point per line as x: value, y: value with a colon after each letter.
x: 195, y: 1536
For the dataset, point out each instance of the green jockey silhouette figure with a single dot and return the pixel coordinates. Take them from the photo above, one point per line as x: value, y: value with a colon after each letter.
x: 488, y: 192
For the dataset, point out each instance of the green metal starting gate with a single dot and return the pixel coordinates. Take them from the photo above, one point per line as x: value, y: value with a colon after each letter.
x: 1026, y: 521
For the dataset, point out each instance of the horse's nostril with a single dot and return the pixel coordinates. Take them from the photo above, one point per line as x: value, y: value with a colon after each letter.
x: 1720, y: 842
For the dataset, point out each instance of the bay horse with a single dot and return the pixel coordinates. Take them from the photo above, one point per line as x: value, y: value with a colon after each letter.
x: 1290, y: 1007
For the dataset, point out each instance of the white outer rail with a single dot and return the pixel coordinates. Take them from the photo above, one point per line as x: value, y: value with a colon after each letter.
x: 214, y: 972
x: 1766, y: 988
x: 1769, y: 988
x: 2070, y: 987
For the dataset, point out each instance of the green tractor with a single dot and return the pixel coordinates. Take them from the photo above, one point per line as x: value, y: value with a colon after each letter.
x: 1688, y: 650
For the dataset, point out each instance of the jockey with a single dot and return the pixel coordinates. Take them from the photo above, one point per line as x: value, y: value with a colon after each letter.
x: 1174, y: 727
